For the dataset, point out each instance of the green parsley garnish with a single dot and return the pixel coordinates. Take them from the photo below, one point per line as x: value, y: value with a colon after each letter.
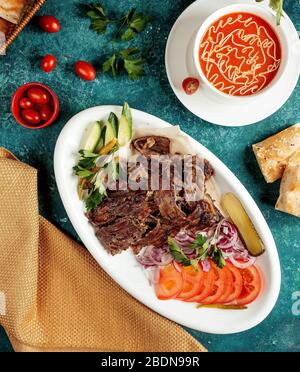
x: 277, y: 6
x: 204, y: 249
x: 177, y: 253
x: 128, y: 26
x: 99, y: 19
x: 94, y: 199
x: 128, y: 60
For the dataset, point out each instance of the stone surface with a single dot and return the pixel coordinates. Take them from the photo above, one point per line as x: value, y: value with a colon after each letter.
x: 280, y: 332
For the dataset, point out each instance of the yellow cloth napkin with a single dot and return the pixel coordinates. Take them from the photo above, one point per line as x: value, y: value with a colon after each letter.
x: 54, y: 296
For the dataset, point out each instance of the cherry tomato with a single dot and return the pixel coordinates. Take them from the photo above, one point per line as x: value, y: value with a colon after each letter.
x: 31, y: 116
x: 48, y: 63
x: 190, y: 85
x: 252, y: 284
x: 45, y: 112
x: 191, y: 282
x: 49, y: 23
x: 170, y: 283
x: 39, y: 96
x: 25, y: 103
x: 85, y: 70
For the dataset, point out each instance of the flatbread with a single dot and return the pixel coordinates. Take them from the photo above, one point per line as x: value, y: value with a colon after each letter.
x: 12, y: 10
x: 289, y: 200
x: 275, y: 152
x: 5, y: 26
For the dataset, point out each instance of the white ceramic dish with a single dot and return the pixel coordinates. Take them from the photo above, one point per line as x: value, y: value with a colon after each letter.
x: 266, y: 15
x: 124, y: 269
x: 205, y: 103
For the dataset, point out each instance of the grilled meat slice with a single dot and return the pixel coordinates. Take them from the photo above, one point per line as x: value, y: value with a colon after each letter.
x: 152, y: 145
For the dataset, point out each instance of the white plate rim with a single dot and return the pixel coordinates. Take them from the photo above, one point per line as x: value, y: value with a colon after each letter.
x: 232, y: 122
x: 253, y: 210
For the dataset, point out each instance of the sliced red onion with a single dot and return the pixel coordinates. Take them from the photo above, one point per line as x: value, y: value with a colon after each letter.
x: 185, y: 240
x: 206, y: 266
x: 177, y: 267
x: 229, y: 241
x: 242, y: 264
x: 152, y: 256
x: 152, y: 274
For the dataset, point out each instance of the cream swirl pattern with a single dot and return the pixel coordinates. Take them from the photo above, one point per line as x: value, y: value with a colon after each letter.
x: 240, y: 54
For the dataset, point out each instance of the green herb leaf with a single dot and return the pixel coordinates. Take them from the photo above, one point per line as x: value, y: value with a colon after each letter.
x: 99, y: 19
x: 87, y: 159
x: 111, y: 64
x: 82, y: 172
x: 277, y: 6
x: 195, y: 264
x: 94, y: 199
x: 201, y: 246
x: 133, y: 64
x: 199, y: 241
x: 88, y: 154
x: 177, y: 253
x: 136, y: 23
x: 218, y: 258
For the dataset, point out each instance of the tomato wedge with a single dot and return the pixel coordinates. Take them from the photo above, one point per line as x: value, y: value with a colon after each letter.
x: 252, y: 285
x: 205, y: 287
x: 191, y: 282
x: 218, y: 285
x: 170, y: 283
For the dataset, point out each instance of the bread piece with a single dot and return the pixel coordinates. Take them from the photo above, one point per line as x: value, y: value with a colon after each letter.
x: 289, y: 200
x: 5, y: 27
x: 274, y: 153
x: 12, y: 10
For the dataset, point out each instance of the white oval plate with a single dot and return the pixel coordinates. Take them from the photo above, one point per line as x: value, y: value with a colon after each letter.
x: 124, y: 269
x: 205, y: 103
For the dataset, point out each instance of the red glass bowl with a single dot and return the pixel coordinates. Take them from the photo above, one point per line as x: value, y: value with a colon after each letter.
x: 16, y: 110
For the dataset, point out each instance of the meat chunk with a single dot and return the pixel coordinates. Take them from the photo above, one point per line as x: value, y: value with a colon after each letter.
x: 135, y: 219
x: 153, y: 145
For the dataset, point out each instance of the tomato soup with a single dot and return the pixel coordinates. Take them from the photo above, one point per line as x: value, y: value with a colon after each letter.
x: 240, y: 54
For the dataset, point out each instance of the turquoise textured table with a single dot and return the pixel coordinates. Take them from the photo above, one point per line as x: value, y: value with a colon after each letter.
x: 280, y: 332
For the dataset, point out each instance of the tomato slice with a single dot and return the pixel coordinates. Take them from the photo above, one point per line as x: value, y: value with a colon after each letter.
x: 228, y: 285
x: 236, y: 286
x: 170, y: 283
x: 205, y: 287
x: 218, y: 285
x: 252, y: 285
x: 191, y: 282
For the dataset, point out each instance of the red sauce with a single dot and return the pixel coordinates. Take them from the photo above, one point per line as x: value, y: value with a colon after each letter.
x: 240, y: 54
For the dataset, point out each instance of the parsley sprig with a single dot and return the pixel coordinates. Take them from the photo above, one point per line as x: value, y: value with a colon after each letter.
x: 204, y: 249
x: 128, y: 26
x: 277, y: 6
x: 129, y: 60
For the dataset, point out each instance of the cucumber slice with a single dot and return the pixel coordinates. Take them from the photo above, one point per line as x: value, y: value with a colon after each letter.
x: 92, y: 137
x: 100, y: 144
x: 125, y: 126
x: 111, y: 128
